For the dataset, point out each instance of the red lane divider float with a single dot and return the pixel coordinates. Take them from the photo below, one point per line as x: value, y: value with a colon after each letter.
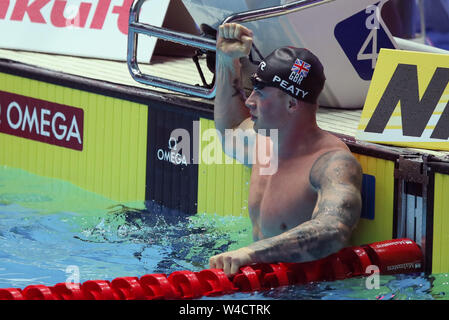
x: 393, y: 256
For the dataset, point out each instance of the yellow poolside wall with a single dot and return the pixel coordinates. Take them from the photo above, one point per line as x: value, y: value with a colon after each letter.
x: 222, y: 189
x: 113, y: 160
x: 381, y: 228
x: 440, y: 251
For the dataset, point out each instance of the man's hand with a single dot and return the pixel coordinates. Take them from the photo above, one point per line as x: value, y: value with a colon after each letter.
x: 234, y: 40
x: 231, y: 261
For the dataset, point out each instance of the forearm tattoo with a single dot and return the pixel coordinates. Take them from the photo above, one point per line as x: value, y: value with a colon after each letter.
x: 309, y: 241
x: 238, y: 91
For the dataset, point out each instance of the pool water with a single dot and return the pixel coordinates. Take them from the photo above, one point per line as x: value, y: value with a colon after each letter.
x: 52, y: 231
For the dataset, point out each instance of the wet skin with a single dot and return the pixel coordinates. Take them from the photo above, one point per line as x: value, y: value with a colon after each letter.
x: 308, y: 208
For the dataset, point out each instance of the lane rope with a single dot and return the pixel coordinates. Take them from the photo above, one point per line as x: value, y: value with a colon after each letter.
x: 390, y: 257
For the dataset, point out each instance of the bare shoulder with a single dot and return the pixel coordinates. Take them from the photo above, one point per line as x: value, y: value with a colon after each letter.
x: 336, y: 167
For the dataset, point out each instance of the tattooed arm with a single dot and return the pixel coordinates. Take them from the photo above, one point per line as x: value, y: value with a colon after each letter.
x: 234, y: 42
x: 337, y: 177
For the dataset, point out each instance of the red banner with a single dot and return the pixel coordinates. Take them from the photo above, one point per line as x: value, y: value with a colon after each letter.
x: 41, y: 120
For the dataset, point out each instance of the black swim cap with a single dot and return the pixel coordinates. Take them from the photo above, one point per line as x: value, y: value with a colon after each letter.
x: 296, y: 71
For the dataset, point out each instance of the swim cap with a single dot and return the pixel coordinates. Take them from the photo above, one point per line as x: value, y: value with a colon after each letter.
x: 296, y: 71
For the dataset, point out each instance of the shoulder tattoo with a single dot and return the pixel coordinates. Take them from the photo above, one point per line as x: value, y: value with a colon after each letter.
x: 337, y: 176
x: 338, y: 167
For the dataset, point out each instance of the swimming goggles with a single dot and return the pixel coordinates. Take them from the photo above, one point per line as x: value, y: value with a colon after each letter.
x: 257, y: 83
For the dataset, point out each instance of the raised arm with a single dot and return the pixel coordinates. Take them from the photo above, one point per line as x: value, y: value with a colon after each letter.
x: 230, y: 113
x: 337, y: 177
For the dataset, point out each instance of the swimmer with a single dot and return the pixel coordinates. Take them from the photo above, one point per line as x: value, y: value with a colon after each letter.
x: 308, y: 208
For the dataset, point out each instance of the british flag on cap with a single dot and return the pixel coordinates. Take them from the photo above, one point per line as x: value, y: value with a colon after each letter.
x: 296, y: 71
x: 301, y: 67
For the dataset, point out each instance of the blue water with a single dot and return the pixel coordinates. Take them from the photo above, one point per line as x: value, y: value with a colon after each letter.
x: 38, y: 248
x: 100, y: 239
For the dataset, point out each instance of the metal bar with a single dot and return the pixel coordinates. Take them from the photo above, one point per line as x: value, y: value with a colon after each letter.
x: 427, y: 213
x: 174, y: 36
x: 135, y: 27
x: 402, y: 209
x: 429, y: 194
x: 410, y: 214
x: 272, y: 12
x: 419, y: 217
x: 415, y: 183
x: 422, y: 17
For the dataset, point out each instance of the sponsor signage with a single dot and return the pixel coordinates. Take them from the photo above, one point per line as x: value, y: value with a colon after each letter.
x: 172, y: 167
x: 81, y: 28
x: 41, y: 120
x: 408, y: 101
x: 171, y: 153
x: 361, y: 36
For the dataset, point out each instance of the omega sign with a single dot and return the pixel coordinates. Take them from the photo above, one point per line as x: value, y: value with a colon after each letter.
x: 42, y: 121
x: 173, y: 155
